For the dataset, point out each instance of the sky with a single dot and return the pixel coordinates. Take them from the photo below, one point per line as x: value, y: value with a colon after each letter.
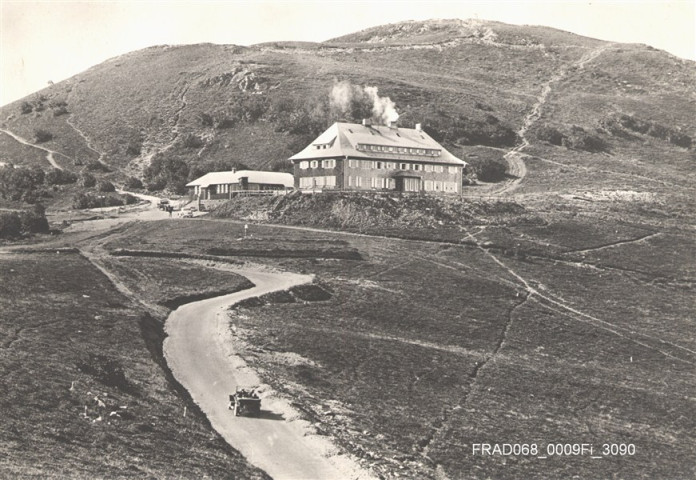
x: 49, y: 41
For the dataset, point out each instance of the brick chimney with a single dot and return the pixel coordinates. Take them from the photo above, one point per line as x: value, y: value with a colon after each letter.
x: 366, y: 122
x: 419, y: 127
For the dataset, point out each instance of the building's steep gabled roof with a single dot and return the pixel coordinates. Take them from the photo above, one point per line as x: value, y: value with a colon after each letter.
x: 347, y: 139
x: 254, y: 176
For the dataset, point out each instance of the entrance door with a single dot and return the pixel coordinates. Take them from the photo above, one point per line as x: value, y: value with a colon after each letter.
x: 412, y: 185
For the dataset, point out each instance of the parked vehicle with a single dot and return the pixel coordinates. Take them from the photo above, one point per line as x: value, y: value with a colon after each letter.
x: 245, y: 401
x: 163, y: 204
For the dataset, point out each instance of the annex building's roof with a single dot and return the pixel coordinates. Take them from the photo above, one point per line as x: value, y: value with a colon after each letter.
x: 254, y: 176
x: 377, y: 142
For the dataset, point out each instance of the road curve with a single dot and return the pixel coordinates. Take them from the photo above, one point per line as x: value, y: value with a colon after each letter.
x: 198, y: 350
x: 49, y: 153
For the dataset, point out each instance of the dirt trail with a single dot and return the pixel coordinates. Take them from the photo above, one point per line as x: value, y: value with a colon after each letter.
x: 516, y: 166
x: 617, y: 243
x: 49, y: 153
x: 199, y: 351
x: 86, y: 139
x: 666, y: 348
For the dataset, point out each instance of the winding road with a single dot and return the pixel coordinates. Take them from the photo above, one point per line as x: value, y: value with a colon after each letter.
x: 199, y: 352
x: 49, y: 153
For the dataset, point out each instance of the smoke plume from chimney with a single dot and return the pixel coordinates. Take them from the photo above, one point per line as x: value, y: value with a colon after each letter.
x: 348, y: 99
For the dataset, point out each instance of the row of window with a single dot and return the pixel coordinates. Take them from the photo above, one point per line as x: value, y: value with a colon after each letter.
x: 379, y: 183
x: 322, y: 181
x: 331, y: 163
x: 429, y: 152
x: 435, y: 186
x: 373, y: 182
x: 375, y: 164
x: 222, y: 188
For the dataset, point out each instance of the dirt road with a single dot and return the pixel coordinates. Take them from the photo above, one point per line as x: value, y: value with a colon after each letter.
x: 49, y: 153
x: 200, y: 354
x: 113, y: 218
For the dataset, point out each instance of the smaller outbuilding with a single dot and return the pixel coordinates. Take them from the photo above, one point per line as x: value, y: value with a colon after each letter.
x: 222, y: 185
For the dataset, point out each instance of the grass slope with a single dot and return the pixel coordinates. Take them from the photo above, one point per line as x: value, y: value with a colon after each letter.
x: 453, y: 76
x: 423, y: 348
x: 85, y: 395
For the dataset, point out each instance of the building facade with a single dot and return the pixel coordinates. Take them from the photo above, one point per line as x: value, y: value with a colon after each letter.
x: 221, y: 185
x: 358, y: 157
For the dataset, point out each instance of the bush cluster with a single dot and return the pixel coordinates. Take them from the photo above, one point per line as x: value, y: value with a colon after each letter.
x: 41, y: 135
x: 90, y: 200
x: 619, y: 122
x: 21, y: 183
x: 133, y: 183
x: 105, y: 186
x: 17, y: 224
x: 469, y: 131
x: 56, y: 176
x: 575, y: 138
x: 167, y: 172
x: 97, y: 166
x: 487, y: 169
x: 87, y: 180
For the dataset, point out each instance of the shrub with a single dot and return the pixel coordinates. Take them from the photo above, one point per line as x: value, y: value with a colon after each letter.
x: 26, y: 107
x: 20, y: 183
x: 191, y: 140
x: 16, y: 224
x: 106, y: 186
x: 10, y: 225
x: 166, y: 171
x: 87, y: 180
x: 34, y: 221
x: 61, y: 110
x: 157, y: 183
x: 41, y: 135
x: 135, y: 147
x: 488, y: 169
x: 579, y: 139
x: 205, y: 119
x: 133, y: 182
x: 680, y: 139
x: 97, y: 166
x: 547, y: 133
x: 56, y: 176
x: 90, y: 200
x: 129, y: 199
x: 469, y: 131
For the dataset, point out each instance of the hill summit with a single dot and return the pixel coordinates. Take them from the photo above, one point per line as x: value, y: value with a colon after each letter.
x: 167, y: 114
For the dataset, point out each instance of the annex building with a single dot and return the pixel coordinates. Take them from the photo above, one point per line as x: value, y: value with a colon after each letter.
x: 221, y: 185
x: 349, y: 156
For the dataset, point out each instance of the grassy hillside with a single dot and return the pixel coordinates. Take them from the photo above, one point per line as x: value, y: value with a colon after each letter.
x: 574, y: 328
x: 86, y: 389
x: 205, y: 106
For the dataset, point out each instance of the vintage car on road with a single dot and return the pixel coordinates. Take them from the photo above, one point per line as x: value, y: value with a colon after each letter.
x: 245, y: 401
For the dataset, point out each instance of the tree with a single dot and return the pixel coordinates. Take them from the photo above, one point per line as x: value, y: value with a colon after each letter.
x: 488, y: 169
x: 106, y: 186
x: 20, y: 183
x: 34, y: 220
x: 56, y: 176
x: 87, y: 180
x: 10, y: 225
x: 134, y: 183
x: 41, y: 135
